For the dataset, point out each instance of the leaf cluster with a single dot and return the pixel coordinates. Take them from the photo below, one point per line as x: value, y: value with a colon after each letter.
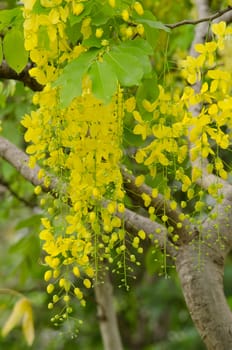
x: 12, y: 39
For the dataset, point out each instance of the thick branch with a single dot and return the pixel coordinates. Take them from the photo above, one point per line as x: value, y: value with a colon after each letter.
x: 8, y: 73
x: 204, y: 295
x: 19, y: 160
x: 6, y: 186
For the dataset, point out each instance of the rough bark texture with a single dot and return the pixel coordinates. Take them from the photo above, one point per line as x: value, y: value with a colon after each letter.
x: 204, y: 295
x: 19, y: 160
x: 200, y: 267
x: 107, y: 315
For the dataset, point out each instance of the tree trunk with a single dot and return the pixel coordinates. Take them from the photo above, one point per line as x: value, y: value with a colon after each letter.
x: 204, y: 295
x: 107, y: 315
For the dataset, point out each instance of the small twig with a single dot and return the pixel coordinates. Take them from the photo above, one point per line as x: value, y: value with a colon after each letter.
x: 9, y: 291
x: 204, y: 19
x: 28, y: 203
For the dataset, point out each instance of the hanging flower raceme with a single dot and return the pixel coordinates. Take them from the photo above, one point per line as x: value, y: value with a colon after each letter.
x: 81, y: 146
x: 166, y: 124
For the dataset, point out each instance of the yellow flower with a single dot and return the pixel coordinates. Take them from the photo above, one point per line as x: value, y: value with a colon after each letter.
x: 87, y: 283
x: 99, y: 32
x: 112, y: 3
x: 146, y: 198
x: 37, y: 190
x: 139, y: 180
x: 219, y: 28
x: 22, y: 313
x: 50, y: 288
x: 142, y: 234
x: 125, y: 15
x: 154, y: 193
x: 141, y: 129
x: 196, y: 174
x: 77, y: 7
x: 138, y: 8
x: 140, y: 29
x: 86, y: 29
x: 78, y: 293
x: 130, y: 104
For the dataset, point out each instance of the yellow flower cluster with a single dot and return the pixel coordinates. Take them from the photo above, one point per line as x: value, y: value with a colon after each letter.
x: 127, y: 30
x: 171, y: 124
x: 166, y: 126
x: 209, y: 126
x: 81, y: 146
x: 193, y: 66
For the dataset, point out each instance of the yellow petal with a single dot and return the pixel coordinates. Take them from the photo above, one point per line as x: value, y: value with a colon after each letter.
x: 28, y: 325
x: 219, y: 28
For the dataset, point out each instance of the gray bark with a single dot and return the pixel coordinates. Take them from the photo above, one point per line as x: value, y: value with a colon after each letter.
x: 200, y: 267
x: 204, y: 295
x: 107, y: 314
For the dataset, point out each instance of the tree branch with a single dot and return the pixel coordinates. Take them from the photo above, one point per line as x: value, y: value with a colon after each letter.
x: 28, y: 202
x: 201, y: 20
x: 8, y: 73
x: 19, y: 160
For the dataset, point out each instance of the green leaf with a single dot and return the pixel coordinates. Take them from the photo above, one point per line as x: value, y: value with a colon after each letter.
x: 92, y: 42
x: 70, y: 80
x: 39, y: 9
x: 140, y: 49
x: 9, y: 16
x: 151, y: 35
x: 74, y: 32
x: 150, y: 20
x: 32, y: 221
x: 127, y: 67
x: 140, y: 44
x: 14, y: 51
x: 151, y: 26
x: 102, y: 14
x: 104, y: 80
x: 148, y: 90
